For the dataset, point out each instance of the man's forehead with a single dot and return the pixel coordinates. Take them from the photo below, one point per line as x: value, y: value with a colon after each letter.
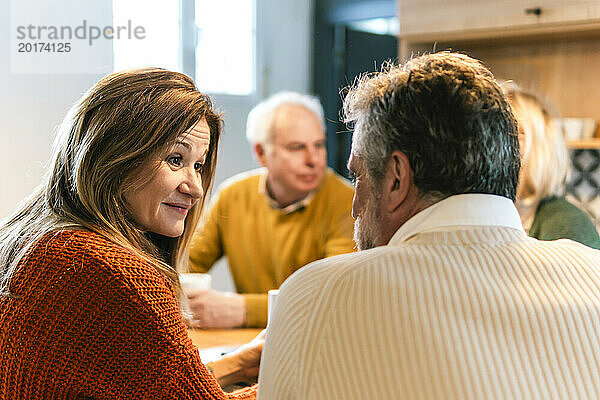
x: 285, y: 140
x: 296, y: 123
x: 292, y: 109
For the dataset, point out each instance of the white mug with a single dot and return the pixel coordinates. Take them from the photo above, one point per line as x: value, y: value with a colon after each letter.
x: 273, y: 297
x: 191, y: 282
x: 194, y: 281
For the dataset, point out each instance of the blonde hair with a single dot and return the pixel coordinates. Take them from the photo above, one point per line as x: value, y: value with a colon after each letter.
x: 545, y: 163
x: 108, y: 136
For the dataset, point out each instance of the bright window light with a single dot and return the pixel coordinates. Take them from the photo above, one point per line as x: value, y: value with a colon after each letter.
x: 160, y: 45
x: 379, y: 26
x: 225, y: 46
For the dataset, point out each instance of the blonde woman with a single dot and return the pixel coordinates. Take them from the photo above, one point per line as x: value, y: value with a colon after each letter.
x: 544, y: 211
x: 88, y: 262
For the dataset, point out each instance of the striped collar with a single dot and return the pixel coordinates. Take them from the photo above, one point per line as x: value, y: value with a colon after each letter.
x: 462, y: 210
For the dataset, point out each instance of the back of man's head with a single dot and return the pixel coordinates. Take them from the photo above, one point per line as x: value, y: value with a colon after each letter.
x: 446, y: 112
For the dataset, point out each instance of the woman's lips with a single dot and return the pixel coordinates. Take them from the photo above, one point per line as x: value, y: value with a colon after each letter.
x: 180, y: 208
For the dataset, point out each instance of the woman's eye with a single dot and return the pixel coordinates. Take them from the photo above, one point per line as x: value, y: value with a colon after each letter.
x: 199, y: 167
x: 175, y: 160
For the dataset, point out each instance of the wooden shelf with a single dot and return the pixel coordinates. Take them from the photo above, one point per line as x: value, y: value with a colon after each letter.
x: 593, y: 143
x: 502, y: 36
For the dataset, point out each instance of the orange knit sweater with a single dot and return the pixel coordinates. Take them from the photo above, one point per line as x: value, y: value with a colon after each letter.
x: 91, y: 320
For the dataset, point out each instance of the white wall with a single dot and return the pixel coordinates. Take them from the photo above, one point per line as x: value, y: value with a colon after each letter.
x: 31, y: 106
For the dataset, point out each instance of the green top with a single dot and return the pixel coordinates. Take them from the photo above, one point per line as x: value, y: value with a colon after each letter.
x: 265, y: 245
x: 556, y: 218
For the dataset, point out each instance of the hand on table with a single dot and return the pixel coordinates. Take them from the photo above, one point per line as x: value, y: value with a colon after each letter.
x: 213, y: 309
x: 241, y: 364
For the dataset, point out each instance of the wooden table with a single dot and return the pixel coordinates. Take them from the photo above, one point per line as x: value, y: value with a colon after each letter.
x: 207, y: 338
x: 213, y: 343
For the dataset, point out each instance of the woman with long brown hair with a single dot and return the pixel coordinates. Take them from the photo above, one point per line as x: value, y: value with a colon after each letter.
x: 88, y: 263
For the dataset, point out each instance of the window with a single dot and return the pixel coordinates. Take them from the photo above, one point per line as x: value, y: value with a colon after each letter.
x: 213, y: 41
x: 160, y: 44
x: 225, y: 46
x: 380, y: 26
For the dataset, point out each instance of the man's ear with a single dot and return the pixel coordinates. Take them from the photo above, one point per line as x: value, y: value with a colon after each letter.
x: 398, y: 180
x: 260, y: 152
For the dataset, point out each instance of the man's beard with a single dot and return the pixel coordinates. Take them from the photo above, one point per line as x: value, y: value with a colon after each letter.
x: 366, y: 232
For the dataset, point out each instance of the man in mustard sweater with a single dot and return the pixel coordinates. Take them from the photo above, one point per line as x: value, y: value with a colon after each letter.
x: 271, y: 221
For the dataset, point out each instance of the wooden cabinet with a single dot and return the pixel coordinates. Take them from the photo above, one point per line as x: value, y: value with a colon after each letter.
x: 468, y: 19
x: 556, y: 52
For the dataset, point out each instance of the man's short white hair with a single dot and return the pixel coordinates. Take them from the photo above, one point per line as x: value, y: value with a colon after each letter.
x: 260, y: 119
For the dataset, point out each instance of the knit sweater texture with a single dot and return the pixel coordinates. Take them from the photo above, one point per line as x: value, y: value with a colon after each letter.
x: 88, y: 319
x: 556, y: 218
x: 265, y: 245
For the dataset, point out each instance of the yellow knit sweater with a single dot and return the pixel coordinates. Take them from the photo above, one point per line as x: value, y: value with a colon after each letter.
x: 265, y: 245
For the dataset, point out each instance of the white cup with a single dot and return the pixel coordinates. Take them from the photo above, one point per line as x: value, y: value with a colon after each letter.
x: 273, y: 298
x: 190, y: 282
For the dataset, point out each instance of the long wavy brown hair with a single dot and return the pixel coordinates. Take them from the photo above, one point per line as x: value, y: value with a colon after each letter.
x: 124, y: 120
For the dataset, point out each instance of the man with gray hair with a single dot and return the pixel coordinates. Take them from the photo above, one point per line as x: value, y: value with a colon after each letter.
x: 448, y: 297
x: 271, y: 221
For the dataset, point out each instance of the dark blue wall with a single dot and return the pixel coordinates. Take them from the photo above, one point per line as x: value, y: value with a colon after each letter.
x: 333, y: 44
x: 341, y: 11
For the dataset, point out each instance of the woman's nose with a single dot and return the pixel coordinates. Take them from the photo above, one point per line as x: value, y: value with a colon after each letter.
x: 192, y: 185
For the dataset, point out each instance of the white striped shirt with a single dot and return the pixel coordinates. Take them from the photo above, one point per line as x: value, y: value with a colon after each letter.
x: 461, y: 304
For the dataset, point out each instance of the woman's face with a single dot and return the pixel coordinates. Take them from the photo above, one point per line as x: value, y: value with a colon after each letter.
x: 161, y: 205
